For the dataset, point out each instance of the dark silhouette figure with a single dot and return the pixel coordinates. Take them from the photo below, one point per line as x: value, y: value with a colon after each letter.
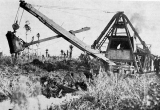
x: 71, y: 50
x: 156, y: 65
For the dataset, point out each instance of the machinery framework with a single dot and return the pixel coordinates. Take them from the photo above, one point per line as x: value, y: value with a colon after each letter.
x: 121, y: 48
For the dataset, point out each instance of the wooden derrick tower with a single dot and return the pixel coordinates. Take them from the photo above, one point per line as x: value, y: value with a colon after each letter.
x: 121, y: 36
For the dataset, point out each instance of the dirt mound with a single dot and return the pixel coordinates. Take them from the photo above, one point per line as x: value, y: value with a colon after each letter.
x: 73, y: 66
x: 71, y: 76
x: 53, y: 87
x: 37, y: 62
x: 50, y: 87
x: 50, y: 66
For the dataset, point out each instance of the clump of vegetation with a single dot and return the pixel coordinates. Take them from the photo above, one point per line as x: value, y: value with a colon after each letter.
x: 106, y: 91
x: 115, y: 92
x: 5, y: 60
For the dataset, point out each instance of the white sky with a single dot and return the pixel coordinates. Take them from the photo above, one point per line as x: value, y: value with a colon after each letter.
x: 90, y: 13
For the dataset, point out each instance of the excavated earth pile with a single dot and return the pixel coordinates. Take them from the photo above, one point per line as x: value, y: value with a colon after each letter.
x: 73, y: 76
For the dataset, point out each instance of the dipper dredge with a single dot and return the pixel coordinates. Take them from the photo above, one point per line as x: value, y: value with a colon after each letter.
x: 121, y: 49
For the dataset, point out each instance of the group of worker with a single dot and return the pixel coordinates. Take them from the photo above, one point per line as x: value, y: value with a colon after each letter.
x: 157, y: 65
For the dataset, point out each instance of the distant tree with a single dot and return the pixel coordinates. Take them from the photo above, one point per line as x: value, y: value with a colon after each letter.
x: 38, y: 36
x: 42, y: 56
x: 67, y: 54
x: 1, y: 54
x: 46, y: 52
x: 64, y: 55
x: 32, y: 39
x: 27, y: 28
x: 71, y: 49
x: 62, y: 52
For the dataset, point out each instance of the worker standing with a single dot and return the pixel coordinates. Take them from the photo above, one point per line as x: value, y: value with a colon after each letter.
x: 156, y: 65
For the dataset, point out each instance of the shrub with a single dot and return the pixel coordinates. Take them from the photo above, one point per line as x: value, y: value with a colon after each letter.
x: 108, y: 91
x: 116, y: 92
x: 6, y: 60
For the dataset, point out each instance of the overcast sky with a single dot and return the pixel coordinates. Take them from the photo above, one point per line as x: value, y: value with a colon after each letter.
x: 75, y: 14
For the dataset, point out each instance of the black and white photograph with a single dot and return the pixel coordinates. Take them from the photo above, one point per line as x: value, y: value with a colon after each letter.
x: 79, y: 55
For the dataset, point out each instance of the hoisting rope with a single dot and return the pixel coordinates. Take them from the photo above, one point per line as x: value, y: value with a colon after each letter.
x: 21, y: 17
x: 16, y: 25
x: 16, y: 15
x: 66, y: 9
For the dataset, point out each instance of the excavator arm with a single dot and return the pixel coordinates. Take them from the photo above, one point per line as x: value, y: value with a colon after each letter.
x: 62, y: 32
x: 17, y: 44
x: 56, y: 28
